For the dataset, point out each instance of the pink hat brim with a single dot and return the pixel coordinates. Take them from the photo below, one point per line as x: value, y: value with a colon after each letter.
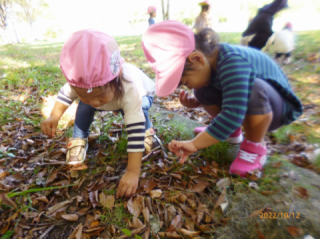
x: 168, y: 81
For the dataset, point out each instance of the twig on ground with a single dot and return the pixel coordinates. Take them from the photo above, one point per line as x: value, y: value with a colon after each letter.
x: 44, y: 235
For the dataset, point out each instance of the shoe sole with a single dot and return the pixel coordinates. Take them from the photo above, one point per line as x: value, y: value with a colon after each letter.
x: 235, y: 140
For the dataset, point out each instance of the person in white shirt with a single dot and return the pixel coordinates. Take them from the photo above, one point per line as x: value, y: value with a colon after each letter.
x: 97, y: 75
x: 283, y: 44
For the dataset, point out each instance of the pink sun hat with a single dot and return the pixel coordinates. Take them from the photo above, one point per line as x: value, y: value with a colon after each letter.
x: 152, y: 9
x: 166, y: 46
x: 90, y: 59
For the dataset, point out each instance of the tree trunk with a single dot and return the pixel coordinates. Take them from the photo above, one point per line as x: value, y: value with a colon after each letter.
x: 167, y: 10
x: 163, y: 11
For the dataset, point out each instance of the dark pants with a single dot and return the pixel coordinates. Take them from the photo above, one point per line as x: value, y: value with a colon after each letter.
x: 85, y: 114
x: 264, y: 99
x: 286, y: 55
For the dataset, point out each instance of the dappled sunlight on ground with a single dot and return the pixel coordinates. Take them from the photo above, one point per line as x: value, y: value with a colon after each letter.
x: 68, y: 117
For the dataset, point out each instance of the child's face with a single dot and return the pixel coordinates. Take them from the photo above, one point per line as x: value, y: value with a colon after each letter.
x: 97, y: 97
x: 199, y: 74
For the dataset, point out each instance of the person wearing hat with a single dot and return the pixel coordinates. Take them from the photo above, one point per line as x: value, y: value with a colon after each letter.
x: 260, y: 28
x: 238, y: 86
x: 283, y: 44
x: 152, y: 11
x: 204, y: 19
x: 97, y: 75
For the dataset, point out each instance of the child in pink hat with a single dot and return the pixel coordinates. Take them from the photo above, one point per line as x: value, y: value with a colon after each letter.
x: 152, y: 11
x: 97, y: 75
x: 204, y: 19
x: 237, y: 86
x: 283, y: 44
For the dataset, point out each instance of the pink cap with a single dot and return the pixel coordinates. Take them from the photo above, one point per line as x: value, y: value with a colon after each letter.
x: 206, y: 2
x: 288, y: 25
x: 90, y: 59
x: 152, y: 9
x: 166, y: 46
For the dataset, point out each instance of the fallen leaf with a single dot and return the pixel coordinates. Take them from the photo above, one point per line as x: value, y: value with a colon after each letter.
x: 94, y: 224
x: 176, y: 224
x: 302, y: 192
x: 156, y: 193
x: 295, y: 231
x: 4, y: 199
x: 260, y: 235
x: 277, y: 165
x: 52, y: 176
x: 224, y: 182
x: 77, y: 232
x: 17, y: 177
x: 148, y: 185
x: 198, y: 188
x: 70, y: 217
x: 221, y: 199
x: 136, y: 223
x: 189, y: 233
x: 146, y: 214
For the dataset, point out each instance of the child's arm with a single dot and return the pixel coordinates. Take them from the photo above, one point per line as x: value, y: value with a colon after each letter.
x: 188, y: 101
x: 49, y: 126
x: 129, y: 182
x: 64, y: 99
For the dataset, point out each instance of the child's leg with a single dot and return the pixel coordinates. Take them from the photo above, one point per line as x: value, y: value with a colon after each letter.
x: 84, y: 118
x: 264, y: 114
x: 264, y: 111
x: 287, y: 58
x: 78, y: 145
x: 151, y: 141
x: 146, y: 105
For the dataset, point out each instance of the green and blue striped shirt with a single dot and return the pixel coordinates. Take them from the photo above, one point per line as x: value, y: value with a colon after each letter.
x: 237, y: 67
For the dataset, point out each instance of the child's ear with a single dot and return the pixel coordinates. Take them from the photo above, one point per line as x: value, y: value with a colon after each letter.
x: 196, y: 58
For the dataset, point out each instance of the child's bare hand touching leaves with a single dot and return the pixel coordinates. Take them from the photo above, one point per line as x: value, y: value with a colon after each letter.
x: 187, y: 100
x: 182, y: 149
x: 49, y: 126
x: 128, y: 185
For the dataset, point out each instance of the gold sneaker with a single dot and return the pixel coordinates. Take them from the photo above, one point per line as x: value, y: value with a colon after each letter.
x: 77, y: 149
x: 151, y: 141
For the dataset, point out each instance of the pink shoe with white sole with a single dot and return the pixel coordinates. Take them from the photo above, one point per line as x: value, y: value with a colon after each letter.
x: 235, y: 138
x: 251, y: 156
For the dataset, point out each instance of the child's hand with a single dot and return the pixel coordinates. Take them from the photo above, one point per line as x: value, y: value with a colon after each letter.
x: 188, y: 101
x: 49, y: 126
x: 128, y: 185
x: 182, y: 148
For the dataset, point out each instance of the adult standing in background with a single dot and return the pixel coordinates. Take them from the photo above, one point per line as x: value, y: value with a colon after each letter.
x: 204, y: 19
x: 260, y: 28
x: 152, y: 11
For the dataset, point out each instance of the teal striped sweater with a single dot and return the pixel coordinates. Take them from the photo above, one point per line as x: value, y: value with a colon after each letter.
x: 237, y: 67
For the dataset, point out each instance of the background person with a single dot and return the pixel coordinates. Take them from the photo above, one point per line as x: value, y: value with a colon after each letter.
x: 283, y: 44
x: 204, y: 19
x: 260, y: 28
x: 152, y: 11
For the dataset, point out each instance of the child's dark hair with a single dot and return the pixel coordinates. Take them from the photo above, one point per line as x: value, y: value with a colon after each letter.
x: 204, y: 8
x: 116, y: 83
x: 206, y: 41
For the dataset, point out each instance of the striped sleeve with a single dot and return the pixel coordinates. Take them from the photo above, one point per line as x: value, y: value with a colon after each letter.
x: 136, y: 135
x: 66, y: 95
x: 234, y: 76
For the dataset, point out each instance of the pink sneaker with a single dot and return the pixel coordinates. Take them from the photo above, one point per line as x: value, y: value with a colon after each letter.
x: 251, y: 156
x: 235, y: 138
